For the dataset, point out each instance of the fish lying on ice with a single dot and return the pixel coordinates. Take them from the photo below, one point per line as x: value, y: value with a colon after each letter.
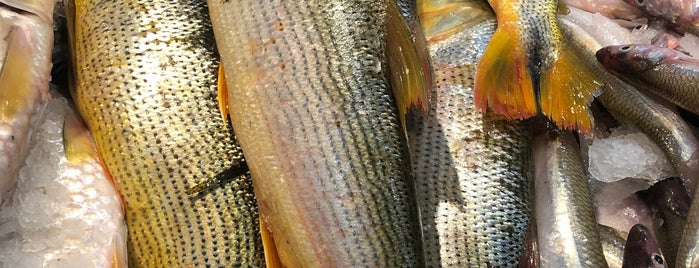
x: 65, y: 211
x: 145, y: 77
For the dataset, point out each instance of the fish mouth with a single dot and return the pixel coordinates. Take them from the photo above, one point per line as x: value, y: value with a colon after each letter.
x: 608, y: 56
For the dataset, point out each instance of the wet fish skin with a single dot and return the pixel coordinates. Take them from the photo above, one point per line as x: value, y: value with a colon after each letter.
x: 311, y: 105
x: 65, y: 211
x: 25, y: 52
x: 613, y: 245
x: 565, y: 215
x: 642, y: 250
x: 630, y: 106
x: 663, y: 71
x: 145, y: 82
x: 473, y: 171
x: 683, y: 14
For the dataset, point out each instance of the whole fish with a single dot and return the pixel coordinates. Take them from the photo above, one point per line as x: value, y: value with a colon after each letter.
x: 565, y: 215
x: 642, y: 250
x: 144, y: 77
x: 528, y: 69
x: 65, y: 211
x: 473, y: 170
x: 311, y: 104
x: 25, y: 54
x: 663, y: 71
x: 630, y: 106
x: 683, y: 14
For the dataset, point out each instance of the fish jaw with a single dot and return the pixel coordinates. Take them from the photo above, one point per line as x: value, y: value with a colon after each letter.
x: 24, y: 78
x: 642, y: 250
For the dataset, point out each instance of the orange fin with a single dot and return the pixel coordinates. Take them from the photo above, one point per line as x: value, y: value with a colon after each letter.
x: 567, y: 88
x: 408, y: 63
x: 222, y: 93
x: 271, y: 256
x: 503, y: 81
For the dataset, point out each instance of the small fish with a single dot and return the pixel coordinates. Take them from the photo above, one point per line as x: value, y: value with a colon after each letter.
x: 642, y: 250
x: 568, y: 235
x: 65, y: 211
x: 683, y: 14
x: 529, y: 69
x: 472, y: 170
x: 663, y: 71
x: 24, y: 85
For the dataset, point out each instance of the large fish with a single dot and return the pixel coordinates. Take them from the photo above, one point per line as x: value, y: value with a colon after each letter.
x: 528, y: 69
x: 663, y: 71
x: 473, y: 170
x: 25, y: 54
x: 565, y: 215
x: 145, y: 82
x: 65, y: 211
x: 311, y: 104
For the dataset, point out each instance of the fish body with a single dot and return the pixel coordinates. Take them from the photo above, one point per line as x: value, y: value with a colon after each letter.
x: 144, y: 79
x: 473, y: 170
x: 565, y: 215
x: 311, y: 105
x: 65, y: 211
x: 528, y: 69
x: 663, y: 71
x: 642, y: 250
x: 683, y: 14
x: 613, y: 245
x: 25, y: 52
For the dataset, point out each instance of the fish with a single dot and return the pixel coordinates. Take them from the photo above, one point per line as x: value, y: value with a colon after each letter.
x: 528, y: 68
x: 642, y: 250
x: 613, y: 242
x: 682, y: 14
x: 25, y: 71
x: 568, y: 235
x: 311, y: 103
x: 66, y: 211
x: 688, y: 249
x: 665, y: 72
x: 473, y: 170
x: 670, y: 200
x: 144, y: 78
x: 631, y: 107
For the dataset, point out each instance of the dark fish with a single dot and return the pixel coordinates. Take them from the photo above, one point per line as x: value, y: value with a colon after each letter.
x: 642, y: 250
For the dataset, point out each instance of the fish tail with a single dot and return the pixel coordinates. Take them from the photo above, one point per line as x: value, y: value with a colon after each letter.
x: 566, y: 90
x: 503, y: 81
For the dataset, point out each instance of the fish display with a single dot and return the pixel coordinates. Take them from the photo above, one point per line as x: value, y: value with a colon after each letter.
x: 311, y: 104
x: 65, y: 212
x: 642, y: 250
x: 663, y: 71
x: 24, y: 83
x: 145, y: 81
x: 528, y: 68
x: 473, y: 170
x: 568, y: 235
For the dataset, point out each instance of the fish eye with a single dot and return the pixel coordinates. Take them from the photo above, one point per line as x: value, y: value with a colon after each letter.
x: 640, y: 2
x: 658, y: 259
x: 625, y: 48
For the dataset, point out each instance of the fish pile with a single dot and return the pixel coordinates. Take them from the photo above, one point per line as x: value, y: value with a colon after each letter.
x: 463, y: 133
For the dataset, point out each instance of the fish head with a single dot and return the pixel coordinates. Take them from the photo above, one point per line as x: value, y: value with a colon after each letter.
x: 642, y: 250
x: 630, y: 58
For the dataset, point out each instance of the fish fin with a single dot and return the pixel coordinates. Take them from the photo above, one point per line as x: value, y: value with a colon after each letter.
x: 503, y: 81
x: 15, y: 76
x: 567, y: 88
x: 562, y: 8
x: 408, y: 64
x: 222, y: 93
x: 442, y: 20
x: 118, y: 252
x: 271, y: 255
x: 237, y: 169
x: 80, y: 146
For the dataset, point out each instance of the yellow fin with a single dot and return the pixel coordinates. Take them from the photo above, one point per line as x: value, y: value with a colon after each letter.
x: 503, y: 81
x: 78, y: 144
x: 222, y: 93
x: 15, y: 78
x: 567, y: 88
x: 441, y: 20
x: 271, y: 256
x: 409, y: 67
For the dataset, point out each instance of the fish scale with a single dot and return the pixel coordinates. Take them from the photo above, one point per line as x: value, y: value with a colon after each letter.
x: 311, y: 104
x: 145, y: 82
x: 473, y: 171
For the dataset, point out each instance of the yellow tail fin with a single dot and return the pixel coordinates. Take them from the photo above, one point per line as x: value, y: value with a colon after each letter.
x: 566, y: 91
x: 503, y: 81
x: 271, y: 256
